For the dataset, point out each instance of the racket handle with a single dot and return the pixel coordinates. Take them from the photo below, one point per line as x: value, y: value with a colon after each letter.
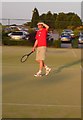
x: 30, y: 53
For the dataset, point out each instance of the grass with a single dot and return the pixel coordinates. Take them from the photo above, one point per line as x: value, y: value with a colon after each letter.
x: 57, y: 95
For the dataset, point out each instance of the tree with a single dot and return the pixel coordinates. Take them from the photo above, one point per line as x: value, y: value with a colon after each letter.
x: 35, y: 18
x: 55, y: 16
x: 61, y: 21
x: 69, y: 16
x: 56, y: 21
x: 76, y: 21
x: 43, y: 18
x: 50, y: 19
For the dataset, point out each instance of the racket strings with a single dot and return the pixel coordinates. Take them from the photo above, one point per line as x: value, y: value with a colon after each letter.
x: 24, y: 58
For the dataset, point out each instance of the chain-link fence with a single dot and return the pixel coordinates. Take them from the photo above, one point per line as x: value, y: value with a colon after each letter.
x: 6, y: 21
x: 61, y: 34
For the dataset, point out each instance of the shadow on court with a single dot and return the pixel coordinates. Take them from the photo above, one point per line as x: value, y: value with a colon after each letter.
x: 67, y: 65
x: 55, y: 95
x: 54, y: 74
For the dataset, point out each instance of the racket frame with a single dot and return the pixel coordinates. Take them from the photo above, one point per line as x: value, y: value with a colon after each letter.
x: 27, y: 56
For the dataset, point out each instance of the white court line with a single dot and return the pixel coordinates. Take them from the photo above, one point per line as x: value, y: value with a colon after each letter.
x: 74, y: 53
x: 81, y: 68
x: 41, y: 105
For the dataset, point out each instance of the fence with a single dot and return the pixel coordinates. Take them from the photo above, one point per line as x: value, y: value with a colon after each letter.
x: 18, y: 22
x: 7, y: 21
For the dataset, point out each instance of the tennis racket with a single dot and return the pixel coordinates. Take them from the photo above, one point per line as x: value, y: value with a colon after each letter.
x: 25, y: 57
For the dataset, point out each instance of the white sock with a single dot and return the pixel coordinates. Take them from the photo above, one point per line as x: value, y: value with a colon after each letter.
x: 39, y: 71
x: 46, y: 67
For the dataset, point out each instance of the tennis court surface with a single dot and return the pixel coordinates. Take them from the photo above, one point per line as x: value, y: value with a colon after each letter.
x: 57, y: 95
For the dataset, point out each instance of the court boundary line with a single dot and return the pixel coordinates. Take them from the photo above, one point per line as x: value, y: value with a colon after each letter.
x: 81, y: 68
x: 41, y: 105
x: 74, y: 53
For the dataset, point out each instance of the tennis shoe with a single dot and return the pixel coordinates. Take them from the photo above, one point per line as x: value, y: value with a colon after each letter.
x: 38, y: 74
x: 48, y: 71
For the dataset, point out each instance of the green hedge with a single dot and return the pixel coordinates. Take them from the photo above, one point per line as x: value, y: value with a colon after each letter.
x: 75, y: 43
x: 57, y: 43
x: 9, y: 42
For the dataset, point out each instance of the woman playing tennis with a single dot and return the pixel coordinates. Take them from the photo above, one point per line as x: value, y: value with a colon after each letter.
x: 41, y: 46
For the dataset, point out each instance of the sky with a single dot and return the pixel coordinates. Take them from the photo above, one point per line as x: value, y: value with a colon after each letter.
x: 23, y: 10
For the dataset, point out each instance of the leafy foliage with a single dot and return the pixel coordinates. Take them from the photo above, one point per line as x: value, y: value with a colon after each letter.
x: 35, y: 18
x: 56, y: 21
